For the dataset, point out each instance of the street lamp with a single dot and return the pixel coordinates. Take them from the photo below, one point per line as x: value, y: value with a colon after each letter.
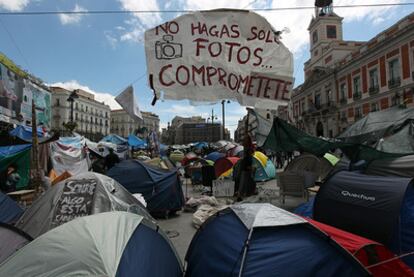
x: 223, y: 116
x: 71, y: 99
x: 212, y: 117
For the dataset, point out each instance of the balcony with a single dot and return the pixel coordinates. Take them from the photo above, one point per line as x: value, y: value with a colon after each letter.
x: 395, y: 82
x: 373, y: 90
x: 343, y: 101
x: 328, y: 105
x: 357, y: 95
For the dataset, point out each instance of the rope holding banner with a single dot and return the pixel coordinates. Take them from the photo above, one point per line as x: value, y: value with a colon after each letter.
x: 151, y: 83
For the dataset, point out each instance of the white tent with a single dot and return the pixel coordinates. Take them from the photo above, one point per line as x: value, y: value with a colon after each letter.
x: 109, y: 244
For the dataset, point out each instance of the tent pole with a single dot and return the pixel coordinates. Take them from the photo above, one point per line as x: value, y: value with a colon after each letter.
x: 246, y: 247
x: 35, y: 153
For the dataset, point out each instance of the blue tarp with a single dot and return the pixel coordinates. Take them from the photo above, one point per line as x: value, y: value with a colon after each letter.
x: 161, y: 188
x: 76, y: 142
x: 115, y: 139
x: 286, y: 250
x: 201, y: 145
x: 6, y: 151
x: 136, y: 142
x: 25, y: 132
x: 214, y: 156
x: 9, y: 210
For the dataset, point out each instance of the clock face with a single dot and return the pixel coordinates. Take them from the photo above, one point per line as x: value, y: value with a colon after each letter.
x: 331, y: 31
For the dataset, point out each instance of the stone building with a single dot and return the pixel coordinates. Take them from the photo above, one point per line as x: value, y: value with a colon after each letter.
x: 122, y: 123
x: 345, y: 80
x: 91, y: 116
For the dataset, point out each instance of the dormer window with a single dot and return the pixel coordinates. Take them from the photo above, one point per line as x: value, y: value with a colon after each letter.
x: 331, y: 31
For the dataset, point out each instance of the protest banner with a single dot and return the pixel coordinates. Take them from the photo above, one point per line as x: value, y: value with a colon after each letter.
x: 208, y: 56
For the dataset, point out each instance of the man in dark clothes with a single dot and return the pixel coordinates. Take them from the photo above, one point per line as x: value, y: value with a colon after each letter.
x: 244, y: 183
x: 111, y: 159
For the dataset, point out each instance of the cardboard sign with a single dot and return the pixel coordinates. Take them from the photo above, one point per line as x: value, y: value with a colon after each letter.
x: 220, y: 54
x: 223, y: 188
x: 75, y: 201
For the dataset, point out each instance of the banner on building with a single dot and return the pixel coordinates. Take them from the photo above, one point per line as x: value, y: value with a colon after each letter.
x: 220, y: 54
x: 127, y: 101
x: 16, y: 94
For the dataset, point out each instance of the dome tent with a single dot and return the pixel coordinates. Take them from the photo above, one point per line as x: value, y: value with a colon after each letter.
x: 379, y: 208
x: 161, y: 188
x: 10, y: 211
x: 84, y: 194
x: 83, y: 248
x: 11, y: 240
x: 263, y: 240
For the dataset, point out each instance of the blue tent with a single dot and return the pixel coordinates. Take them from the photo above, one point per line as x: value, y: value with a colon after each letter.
x: 214, y: 156
x: 10, y: 211
x: 115, y: 139
x: 161, y: 188
x: 263, y: 240
x: 264, y: 174
x: 117, y: 244
x: 380, y: 208
x: 136, y: 143
x: 201, y: 145
x: 25, y: 132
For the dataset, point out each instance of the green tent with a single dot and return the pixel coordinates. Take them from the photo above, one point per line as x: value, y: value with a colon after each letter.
x: 18, y: 155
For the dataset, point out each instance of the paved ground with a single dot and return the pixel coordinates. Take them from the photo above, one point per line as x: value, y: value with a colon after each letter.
x: 181, y: 230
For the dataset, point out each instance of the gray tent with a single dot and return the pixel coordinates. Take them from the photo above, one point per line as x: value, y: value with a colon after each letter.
x: 403, y: 166
x: 85, y: 194
x: 11, y: 240
x: 389, y: 130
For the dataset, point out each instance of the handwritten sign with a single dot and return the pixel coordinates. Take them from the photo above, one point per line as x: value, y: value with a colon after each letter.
x: 223, y: 188
x: 75, y: 201
x: 219, y: 54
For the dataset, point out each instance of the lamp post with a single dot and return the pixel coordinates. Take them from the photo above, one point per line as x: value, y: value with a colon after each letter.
x: 71, y: 99
x: 213, y: 116
x: 223, y: 116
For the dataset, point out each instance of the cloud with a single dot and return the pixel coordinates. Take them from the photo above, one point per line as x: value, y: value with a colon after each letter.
x: 14, y: 5
x: 105, y: 97
x: 67, y: 19
x: 112, y: 40
x: 140, y: 21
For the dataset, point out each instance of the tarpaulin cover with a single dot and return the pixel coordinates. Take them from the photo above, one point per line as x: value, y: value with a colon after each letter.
x: 115, y: 139
x: 280, y: 244
x: 67, y: 158
x: 136, y: 142
x: 368, y: 252
x: 284, y: 137
x: 117, y: 244
x: 11, y: 240
x: 10, y: 211
x: 201, y: 145
x: 402, y: 166
x: 104, y: 194
x: 376, y: 125
x: 160, y: 188
x: 18, y: 155
x: 25, y: 132
x: 376, y: 207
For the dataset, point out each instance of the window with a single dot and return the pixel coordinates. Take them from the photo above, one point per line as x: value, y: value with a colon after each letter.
x: 331, y: 31
x: 394, y: 69
x: 343, y: 91
x: 358, y: 113
x: 76, y: 116
x: 82, y: 107
x: 58, y: 102
x: 76, y: 105
x: 357, y: 85
x: 328, y: 96
x: 373, y: 78
x: 25, y: 98
x: 315, y: 37
x: 91, y: 119
x: 86, y: 108
x: 374, y: 107
x: 317, y: 100
x: 303, y: 106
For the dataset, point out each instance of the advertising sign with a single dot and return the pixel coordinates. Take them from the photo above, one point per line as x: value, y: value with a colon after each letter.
x: 220, y: 54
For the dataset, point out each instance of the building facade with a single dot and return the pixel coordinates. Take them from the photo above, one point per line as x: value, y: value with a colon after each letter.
x: 345, y: 80
x: 123, y: 124
x: 91, y: 116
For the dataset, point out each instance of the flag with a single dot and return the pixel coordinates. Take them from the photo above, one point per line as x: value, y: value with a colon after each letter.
x: 127, y: 101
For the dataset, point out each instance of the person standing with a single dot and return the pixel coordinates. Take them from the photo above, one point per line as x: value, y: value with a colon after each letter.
x: 11, y: 180
x: 246, y: 185
x: 111, y: 159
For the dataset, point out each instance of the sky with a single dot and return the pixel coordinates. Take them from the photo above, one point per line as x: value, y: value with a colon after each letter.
x: 104, y: 53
